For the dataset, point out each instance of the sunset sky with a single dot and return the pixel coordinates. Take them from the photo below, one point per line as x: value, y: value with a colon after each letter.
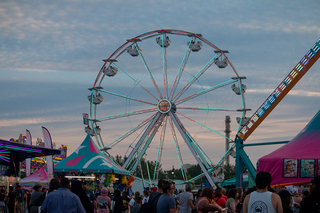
x: 52, y: 51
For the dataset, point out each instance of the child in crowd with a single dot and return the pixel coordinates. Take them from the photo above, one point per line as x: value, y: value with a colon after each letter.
x: 103, y: 201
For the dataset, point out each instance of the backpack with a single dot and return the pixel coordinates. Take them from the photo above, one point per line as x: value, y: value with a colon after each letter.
x: 148, y: 207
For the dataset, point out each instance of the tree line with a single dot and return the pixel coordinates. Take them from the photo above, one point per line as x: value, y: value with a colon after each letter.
x: 191, y: 172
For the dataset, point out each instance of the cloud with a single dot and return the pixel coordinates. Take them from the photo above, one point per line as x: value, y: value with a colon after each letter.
x: 51, y: 52
x: 291, y: 93
x: 33, y: 121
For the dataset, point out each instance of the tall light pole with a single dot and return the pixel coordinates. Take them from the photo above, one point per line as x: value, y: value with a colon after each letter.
x: 227, y: 131
x: 172, y: 172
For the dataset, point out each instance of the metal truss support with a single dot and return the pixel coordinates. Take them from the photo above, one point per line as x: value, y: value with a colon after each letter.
x: 188, y: 141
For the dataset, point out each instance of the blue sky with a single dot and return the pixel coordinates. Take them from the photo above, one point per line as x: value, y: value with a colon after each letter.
x: 51, y: 53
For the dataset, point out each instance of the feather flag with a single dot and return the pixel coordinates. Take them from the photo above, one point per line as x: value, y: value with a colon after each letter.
x: 28, y: 160
x: 48, y: 144
x: 85, y: 118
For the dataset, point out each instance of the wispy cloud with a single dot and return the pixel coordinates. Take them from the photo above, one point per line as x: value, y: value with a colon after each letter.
x: 291, y: 93
x: 51, y: 52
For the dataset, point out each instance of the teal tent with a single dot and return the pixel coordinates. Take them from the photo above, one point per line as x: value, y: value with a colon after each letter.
x: 88, y: 158
x: 232, y: 181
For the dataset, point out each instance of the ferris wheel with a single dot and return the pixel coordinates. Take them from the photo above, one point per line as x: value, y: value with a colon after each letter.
x: 162, y: 95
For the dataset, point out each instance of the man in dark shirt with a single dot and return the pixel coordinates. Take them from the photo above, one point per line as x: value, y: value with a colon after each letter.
x: 154, y: 197
x: 312, y: 202
x: 11, y: 200
x: 20, y: 200
x: 90, y: 195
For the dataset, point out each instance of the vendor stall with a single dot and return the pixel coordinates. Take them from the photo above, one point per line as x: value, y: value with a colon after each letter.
x: 40, y: 176
x: 87, y: 160
x: 298, y: 161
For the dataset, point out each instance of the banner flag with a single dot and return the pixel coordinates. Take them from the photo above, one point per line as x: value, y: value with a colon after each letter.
x: 85, y: 118
x: 48, y: 144
x: 28, y: 160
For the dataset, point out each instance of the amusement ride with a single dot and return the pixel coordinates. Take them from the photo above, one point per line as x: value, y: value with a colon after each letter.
x: 155, y: 88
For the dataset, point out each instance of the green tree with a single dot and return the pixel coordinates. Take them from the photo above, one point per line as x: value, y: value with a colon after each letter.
x: 194, y: 170
x: 144, y: 168
x: 229, y: 171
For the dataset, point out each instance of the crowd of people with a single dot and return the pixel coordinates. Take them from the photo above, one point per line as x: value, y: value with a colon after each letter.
x: 65, y: 196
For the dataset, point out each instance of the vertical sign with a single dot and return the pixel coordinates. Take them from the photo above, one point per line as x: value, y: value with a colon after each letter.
x: 48, y: 144
x: 28, y: 160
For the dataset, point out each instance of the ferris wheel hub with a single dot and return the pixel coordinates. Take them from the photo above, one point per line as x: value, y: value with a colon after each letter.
x: 164, y: 106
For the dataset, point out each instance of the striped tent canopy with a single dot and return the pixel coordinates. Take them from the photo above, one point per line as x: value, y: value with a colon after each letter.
x: 40, y: 176
x: 88, y: 158
x: 298, y: 161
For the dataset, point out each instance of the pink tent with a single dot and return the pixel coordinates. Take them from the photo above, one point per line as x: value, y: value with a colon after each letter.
x: 298, y: 161
x: 40, y: 176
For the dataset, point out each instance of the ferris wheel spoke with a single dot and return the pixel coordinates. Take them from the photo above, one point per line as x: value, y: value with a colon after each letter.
x: 164, y: 68
x: 142, y: 149
x: 205, y: 91
x: 131, y: 131
x: 148, y: 171
x: 134, y: 80
x: 180, y: 71
x: 160, y: 148
x: 138, y: 112
x: 220, y: 162
x: 196, y: 154
x: 204, y: 158
x: 148, y: 70
x: 184, y: 176
x: 125, y: 96
x: 203, y: 126
x: 154, y: 122
x: 196, y: 77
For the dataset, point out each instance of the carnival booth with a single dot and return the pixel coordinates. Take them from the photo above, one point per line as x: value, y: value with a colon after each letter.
x: 232, y: 182
x: 40, y: 176
x: 88, y: 162
x: 297, y: 162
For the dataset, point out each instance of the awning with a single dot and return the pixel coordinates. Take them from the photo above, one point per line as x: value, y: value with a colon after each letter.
x: 88, y: 158
x: 19, y: 152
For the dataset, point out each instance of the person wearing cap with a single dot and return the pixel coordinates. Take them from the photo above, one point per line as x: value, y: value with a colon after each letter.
x: 37, y: 192
x: 54, y: 185
x: 154, y: 189
x: 103, y: 201
x: 154, y: 197
x: 90, y: 195
x: 312, y: 202
x: 62, y: 200
x: 262, y: 200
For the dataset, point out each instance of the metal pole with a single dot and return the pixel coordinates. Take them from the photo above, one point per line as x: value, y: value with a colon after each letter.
x: 227, y: 131
x: 141, y: 175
